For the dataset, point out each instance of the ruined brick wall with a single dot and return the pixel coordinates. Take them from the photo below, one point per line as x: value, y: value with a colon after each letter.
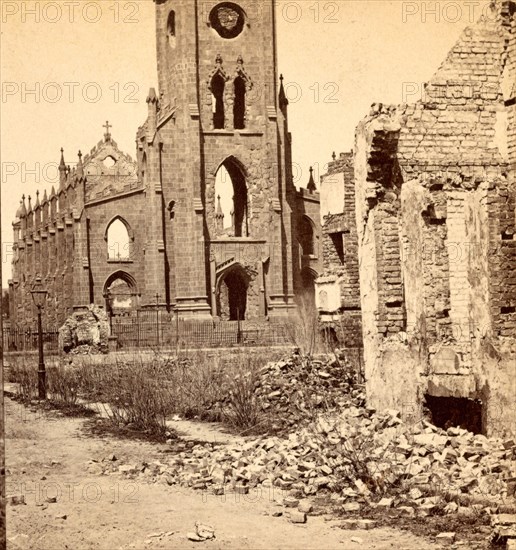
x: 435, y: 214
x: 340, y: 253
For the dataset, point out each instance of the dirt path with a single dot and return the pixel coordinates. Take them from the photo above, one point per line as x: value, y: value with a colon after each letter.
x: 52, y: 457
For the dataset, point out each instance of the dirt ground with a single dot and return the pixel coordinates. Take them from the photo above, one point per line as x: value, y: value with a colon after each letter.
x: 49, y: 456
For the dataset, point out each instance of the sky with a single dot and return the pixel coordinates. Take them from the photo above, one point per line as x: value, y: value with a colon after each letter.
x: 68, y: 66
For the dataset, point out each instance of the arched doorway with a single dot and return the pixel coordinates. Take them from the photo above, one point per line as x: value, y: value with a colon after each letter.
x: 121, y: 294
x: 232, y: 294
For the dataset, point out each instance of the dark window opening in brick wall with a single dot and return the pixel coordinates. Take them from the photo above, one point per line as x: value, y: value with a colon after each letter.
x: 338, y: 243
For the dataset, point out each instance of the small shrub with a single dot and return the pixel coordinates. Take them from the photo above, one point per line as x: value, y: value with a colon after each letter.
x: 303, y: 327
x: 25, y: 374
x: 243, y: 407
x: 63, y: 384
x: 137, y: 395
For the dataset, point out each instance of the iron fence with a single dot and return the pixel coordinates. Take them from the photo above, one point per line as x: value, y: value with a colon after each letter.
x: 15, y: 339
x: 148, y: 333
x: 151, y: 331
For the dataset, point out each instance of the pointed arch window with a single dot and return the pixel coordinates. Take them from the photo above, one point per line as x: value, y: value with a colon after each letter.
x: 231, y: 186
x: 217, y: 89
x: 217, y: 84
x: 306, y: 236
x: 239, y: 104
x: 242, y: 83
x: 119, y: 240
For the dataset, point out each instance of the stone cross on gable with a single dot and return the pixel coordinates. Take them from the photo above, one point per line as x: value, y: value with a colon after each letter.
x: 107, y: 126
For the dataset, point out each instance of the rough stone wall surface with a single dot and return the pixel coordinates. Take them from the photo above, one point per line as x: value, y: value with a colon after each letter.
x: 435, y: 214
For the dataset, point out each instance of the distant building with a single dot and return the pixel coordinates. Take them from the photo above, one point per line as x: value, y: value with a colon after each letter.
x: 337, y: 289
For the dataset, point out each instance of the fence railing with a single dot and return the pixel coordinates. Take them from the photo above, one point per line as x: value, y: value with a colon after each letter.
x: 27, y: 339
x: 152, y: 332
x: 137, y: 333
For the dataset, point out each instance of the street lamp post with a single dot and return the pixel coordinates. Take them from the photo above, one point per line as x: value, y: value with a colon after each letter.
x: 39, y: 295
x: 157, y: 316
x: 109, y: 302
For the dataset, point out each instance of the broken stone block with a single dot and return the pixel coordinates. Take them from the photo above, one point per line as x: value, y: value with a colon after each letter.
x: 290, y: 502
x: 447, y: 538
x: 297, y: 517
x: 415, y: 493
x: 194, y: 537
x: 349, y: 524
x: 305, y: 507
x: 385, y: 503
x: 366, y: 524
x: 241, y: 489
x: 351, y: 507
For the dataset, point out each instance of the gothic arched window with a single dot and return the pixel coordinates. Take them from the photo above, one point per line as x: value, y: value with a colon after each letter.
x: 119, y: 240
x: 306, y: 236
x: 239, y: 105
x: 217, y: 89
x: 230, y: 185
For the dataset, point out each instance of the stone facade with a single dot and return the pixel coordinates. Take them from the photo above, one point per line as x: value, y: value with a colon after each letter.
x: 153, y: 232
x: 435, y: 214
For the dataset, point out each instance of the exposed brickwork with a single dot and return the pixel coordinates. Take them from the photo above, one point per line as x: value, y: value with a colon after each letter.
x: 435, y: 211
x: 340, y: 253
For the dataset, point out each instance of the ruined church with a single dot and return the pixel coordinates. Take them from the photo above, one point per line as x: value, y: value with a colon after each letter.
x: 205, y: 222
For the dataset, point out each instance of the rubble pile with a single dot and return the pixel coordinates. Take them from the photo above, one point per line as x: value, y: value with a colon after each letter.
x: 504, y: 530
x: 291, y: 391
x: 362, y: 457
x: 85, y: 332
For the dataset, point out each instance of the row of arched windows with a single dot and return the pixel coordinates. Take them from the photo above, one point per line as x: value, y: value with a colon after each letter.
x: 218, y: 87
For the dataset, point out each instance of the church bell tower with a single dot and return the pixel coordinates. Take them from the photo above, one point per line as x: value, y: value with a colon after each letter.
x: 215, y: 152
